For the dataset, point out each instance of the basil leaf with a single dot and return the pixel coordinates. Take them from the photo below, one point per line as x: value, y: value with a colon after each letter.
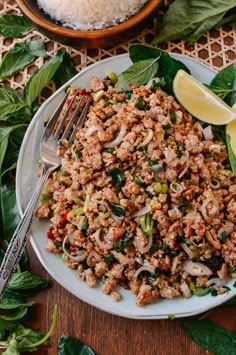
x: 5, y: 132
x: 17, y: 314
x: 12, y: 348
x: 66, y: 71
x: 41, y: 77
x: 26, y: 281
x: 232, y: 157
x: 168, y: 66
x: 13, y: 26
x: 123, y: 243
x: 226, y: 80
x: 186, y: 17
x: 117, y: 209
x: 210, y: 336
x: 10, y: 101
x: 67, y: 345
x: 203, y: 27
x: 118, y: 177
x: 7, y: 325
x: 9, y: 211
x: 12, y: 300
x: 137, y: 74
x: 22, y: 54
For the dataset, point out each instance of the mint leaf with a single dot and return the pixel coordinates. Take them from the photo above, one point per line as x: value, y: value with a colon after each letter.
x: 13, y: 26
x: 19, y: 56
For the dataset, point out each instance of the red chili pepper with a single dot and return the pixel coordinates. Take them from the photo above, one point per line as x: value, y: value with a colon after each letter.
x: 65, y: 215
x: 68, y: 101
x: 133, y: 86
x: 50, y: 235
x: 72, y: 249
x: 119, y: 235
x: 82, y: 92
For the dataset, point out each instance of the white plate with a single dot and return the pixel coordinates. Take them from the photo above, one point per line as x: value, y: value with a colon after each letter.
x: 26, y: 179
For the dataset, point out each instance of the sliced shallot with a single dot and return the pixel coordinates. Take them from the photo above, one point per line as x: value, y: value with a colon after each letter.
x: 196, y: 268
x: 118, y: 139
x: 102, y: 244
x: 146, y: 248
x: 185, y: 289
x: 187, y: 250
x: 208, y: 134
x: 92, y: 129
x: 80, y: 254
x: 204, y: 206
x: 148, y: 268
x: 142, y: 211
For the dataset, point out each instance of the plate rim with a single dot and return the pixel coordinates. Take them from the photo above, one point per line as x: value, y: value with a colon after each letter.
x: 51, y: 272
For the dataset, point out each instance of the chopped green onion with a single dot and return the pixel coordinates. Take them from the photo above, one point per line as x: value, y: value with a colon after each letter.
x: 215, y: 184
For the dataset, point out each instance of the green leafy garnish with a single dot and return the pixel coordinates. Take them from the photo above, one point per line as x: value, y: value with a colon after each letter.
x: 68, y: 346
x: 13, y: 26
x: 118, y: 177
x: 117, y: 209
x: 123, y: 243
x: 137, y: 74
x: 22, y: 54
x: 189, y: 19
x: 210, y: 336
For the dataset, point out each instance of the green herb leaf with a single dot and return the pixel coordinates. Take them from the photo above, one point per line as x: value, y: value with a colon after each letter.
x: 117, y: 209
x: 15, y: 315
x: 118, y: 177
x: 66, y: 71
x: 137, y: 74
x: 210, y: 336
x: 9, y: 210
x: 22, y: 54
x: 123, y: 243
x: 10, y: 101
x: 70, y: 346
x: 232, y: 157
x: 41, y: 77
x: 13, y: 26
x: 26, y: 282
x: 168, y: 66
x: 226, y: 80
x: 190, y: 19
x: 12, y: 300
x: 5, y: 132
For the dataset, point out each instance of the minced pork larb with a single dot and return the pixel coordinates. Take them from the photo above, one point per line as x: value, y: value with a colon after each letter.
x: 145, y: 198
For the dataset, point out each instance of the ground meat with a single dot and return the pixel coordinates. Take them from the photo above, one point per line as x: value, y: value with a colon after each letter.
x: 135, y: 210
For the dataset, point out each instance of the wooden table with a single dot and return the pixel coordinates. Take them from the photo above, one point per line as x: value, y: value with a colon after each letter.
x: 105, y: 333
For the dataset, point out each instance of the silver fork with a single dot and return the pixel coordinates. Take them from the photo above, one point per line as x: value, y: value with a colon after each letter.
x: 53, y: 132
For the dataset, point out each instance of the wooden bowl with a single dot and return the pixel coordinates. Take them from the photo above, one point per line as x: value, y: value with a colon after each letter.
x: 93, y: 39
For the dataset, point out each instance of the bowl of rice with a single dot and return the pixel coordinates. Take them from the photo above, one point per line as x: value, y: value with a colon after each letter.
x: 89, y: 23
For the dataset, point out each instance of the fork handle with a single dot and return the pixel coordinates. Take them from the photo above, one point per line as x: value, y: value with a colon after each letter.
x: 20, y: 236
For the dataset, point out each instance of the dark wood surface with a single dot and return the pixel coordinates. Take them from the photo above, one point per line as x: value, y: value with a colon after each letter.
x: 111, y: 335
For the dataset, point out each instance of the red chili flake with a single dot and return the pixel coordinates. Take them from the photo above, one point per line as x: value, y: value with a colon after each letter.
x: 120, y: 234
x: 50, y: 235
x: 133, y: 86
x: 68, y: 101
x: 82, y: 92
x: 65, y: 215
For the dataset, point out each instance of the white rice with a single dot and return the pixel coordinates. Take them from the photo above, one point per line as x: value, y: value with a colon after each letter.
x: 91, y: 14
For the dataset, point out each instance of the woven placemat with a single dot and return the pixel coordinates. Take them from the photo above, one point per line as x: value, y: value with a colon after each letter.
x: 216, y: 49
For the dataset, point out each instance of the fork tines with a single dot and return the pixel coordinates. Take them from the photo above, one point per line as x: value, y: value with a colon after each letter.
x: 63, y: 125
